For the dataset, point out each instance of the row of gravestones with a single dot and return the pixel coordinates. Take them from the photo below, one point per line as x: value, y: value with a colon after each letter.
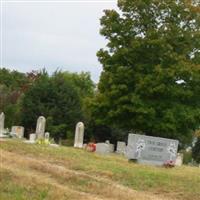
x: 18, y: 131
x: 144, y: 149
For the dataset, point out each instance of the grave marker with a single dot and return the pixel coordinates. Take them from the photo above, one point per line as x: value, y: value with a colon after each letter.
x: 79, y: 135
x: 151, y: 150
x: 2, y: 119
x: 40, y: 127
x: 121, y: 147
x: 18, y: 131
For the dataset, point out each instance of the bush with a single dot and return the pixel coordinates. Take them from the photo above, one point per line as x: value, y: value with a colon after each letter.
x: 196, y: 151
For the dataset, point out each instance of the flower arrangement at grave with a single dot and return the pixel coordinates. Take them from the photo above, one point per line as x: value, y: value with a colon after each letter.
x: 169, y: 164
x: 91, y: 147
x: 43, y: 141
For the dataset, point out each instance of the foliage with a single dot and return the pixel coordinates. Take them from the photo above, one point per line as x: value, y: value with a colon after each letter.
x: 54, y: 98
x: 11, y: 91
x: 196, y: 151
x: 12, y: 79
x: 151, y: 68
x: 60, y: 98
x: 81, y: 82
x: 187, y: 157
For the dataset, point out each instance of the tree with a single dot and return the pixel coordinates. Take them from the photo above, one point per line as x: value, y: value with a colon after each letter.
x: 13, y: 79
x: 196, y: 151
x: 54, y: 98
x: 81, y: 82
x: 151, y: 68
x: 11, y: 84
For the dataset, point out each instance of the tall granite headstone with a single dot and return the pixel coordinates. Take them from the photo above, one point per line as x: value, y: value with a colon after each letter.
x: 151, y: 150
x: 40, y: 127
x: 79, y: 135
x: 2, y: 119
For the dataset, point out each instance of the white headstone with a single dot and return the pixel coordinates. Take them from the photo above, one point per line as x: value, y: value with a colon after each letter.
x: 179, y: 159
x: 111, y: 148
x: 46, y: 135
x: 102, y: 148
x: 32, y: 137
x: 2, y: 119
x: 40, y: 127
x: 79, y: 135
x: 121, y: 147
x: 17, y: 131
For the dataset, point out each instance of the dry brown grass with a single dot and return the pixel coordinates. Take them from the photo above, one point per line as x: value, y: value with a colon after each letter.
x: 45, y: 173
x: 66, y: 183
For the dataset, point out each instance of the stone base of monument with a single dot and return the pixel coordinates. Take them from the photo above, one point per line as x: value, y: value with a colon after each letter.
x: 53, y: 145
x: 4, y: 136
x: 29, y: 142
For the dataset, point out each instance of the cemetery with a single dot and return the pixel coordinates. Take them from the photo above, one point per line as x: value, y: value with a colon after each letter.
x: 100, y: 100
x: 142, y: 149
x: 101, y: 166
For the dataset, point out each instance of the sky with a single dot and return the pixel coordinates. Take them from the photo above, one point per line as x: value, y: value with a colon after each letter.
x: 52, y: 35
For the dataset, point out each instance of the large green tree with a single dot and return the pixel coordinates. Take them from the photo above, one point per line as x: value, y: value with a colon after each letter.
x: 151, y: 68
x: 55, y: 98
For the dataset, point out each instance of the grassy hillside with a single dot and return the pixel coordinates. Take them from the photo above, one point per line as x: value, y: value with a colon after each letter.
x: 40, y: 172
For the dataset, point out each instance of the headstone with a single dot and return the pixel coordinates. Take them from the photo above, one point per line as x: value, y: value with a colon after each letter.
x: 179, y: 159
x: 151, y: 150
x: 2, y: 119
x: 102, y: 148
x: 79, y: 135
x: 121, y: 147
x: 18, y: 131
x: 40, y: 127
x: 46, y: 137
x: 111, y: 146
x: 32, y: 138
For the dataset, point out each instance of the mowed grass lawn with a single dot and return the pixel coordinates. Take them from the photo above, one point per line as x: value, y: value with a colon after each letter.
x: 39, y: 172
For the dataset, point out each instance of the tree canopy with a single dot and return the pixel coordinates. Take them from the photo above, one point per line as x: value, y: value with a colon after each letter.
x: 59, y: 97
x: 151, y: 68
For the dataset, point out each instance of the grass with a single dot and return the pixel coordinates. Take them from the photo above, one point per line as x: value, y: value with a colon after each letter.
x: 40, y: 172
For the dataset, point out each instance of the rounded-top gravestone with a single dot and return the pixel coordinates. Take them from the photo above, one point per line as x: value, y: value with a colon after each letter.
x: 40, y: 127
x: 79, y: 135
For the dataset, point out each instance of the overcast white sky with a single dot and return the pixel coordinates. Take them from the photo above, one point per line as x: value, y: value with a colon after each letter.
x: 52, y: 35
